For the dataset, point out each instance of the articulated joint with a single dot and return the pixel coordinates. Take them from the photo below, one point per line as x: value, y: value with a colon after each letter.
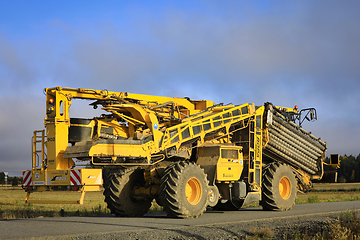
x: 149, y: 191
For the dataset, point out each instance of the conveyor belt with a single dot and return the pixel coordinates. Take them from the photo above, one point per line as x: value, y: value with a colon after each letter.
x: 291, y: 144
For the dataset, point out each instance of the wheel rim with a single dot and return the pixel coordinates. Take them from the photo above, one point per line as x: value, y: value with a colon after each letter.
x: 285, y: 187
x: 193, y: 191
x: 211, y: 195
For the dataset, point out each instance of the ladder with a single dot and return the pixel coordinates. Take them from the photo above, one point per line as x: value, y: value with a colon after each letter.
x: 38, y: 149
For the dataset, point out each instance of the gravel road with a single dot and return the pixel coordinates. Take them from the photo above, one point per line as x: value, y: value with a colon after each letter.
x: 283, y: 228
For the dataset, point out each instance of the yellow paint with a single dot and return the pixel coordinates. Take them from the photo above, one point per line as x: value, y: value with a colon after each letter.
x: 229, y: 168
x: 91, y: 177
x: 285, y: 188
x: 80, y: 201
x: 48, y: 177
x: 193, y: 191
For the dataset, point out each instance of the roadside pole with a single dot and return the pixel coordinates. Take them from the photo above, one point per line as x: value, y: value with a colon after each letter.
x: 6, y: 175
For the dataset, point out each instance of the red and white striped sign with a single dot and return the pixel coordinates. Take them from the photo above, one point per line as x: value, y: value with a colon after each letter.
x: 27, y: 178
x: 75, y: 177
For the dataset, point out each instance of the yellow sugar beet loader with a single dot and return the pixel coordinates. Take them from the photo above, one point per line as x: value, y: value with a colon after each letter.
x: 186, y: 154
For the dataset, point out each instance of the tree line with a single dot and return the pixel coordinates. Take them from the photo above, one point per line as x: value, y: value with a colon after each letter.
x: 13, y: 181
x: 349, y: 170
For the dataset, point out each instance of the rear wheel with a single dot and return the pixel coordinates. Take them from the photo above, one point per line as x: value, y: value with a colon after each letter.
x: 118, y: 194
x: 279, y: 187
x: 184, y: 190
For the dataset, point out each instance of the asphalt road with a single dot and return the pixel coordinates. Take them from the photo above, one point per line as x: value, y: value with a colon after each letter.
x: 73, y: 226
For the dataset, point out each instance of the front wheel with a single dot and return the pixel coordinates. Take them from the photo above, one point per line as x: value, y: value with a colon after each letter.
x: 279, y: 187
x: 184, y: 190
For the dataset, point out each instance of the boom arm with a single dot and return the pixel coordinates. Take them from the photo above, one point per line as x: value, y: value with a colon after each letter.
x: 144, y: 114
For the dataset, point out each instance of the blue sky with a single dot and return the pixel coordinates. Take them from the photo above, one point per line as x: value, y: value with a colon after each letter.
x: 304, y: 53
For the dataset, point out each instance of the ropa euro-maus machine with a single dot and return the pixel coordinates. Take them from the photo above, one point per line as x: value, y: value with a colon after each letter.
x: 186, y: 154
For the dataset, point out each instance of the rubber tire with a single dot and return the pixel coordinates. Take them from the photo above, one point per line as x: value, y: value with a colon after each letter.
x: 118, y: 194
x: 213, y: 195
x: 271, y: 197
x: 173, y: 186
x: 160, y: 198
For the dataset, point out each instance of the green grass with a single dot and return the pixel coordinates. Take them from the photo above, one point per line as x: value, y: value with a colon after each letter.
x: 336, y: 186
x: 327, y: 196
x: 13, y: 206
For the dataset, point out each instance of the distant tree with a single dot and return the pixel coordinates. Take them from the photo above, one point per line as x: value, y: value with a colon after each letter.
x: 349, y: 170
x: 342, y: 180
x: 15, y: 181
x: 2, y: 178
x: 352, y: 177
